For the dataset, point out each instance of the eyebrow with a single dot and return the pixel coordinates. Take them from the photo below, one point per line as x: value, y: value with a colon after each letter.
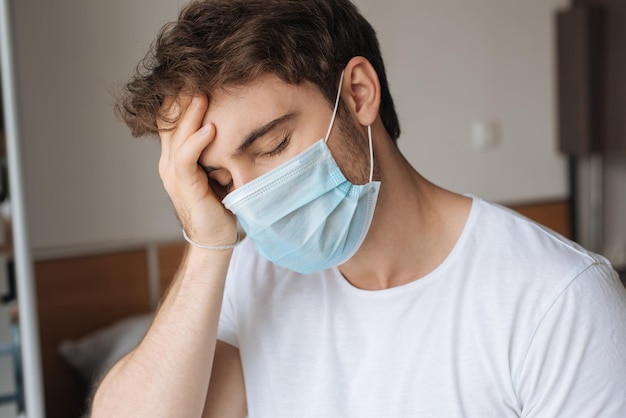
x: 256, y: 134
x: 263, y: 130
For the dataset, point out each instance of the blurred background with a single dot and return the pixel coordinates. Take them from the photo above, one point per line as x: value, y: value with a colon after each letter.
x: 520, y: 102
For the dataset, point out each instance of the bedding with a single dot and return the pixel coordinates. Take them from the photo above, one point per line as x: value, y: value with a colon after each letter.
x: 95, y: 353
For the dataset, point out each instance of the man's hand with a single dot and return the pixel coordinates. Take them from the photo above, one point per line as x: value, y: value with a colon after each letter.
x: 200, y: 212
x: 179, y: 349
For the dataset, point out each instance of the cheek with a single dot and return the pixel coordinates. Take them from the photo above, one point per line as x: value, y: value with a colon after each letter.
x: 352, y: 152
x: 297, y: 145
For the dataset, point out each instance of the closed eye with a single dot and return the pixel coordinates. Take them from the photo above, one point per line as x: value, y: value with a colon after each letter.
x: 280, y: 148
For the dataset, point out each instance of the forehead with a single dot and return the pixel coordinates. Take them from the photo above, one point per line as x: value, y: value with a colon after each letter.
x: 237, y: 112
x: 259, y: 101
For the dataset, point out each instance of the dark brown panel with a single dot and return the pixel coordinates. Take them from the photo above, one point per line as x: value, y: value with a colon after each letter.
x: 613, y: 73
x: 170, y: 257
x: 579, y: 64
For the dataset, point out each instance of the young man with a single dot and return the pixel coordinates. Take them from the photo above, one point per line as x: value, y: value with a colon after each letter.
x: 361, y: 289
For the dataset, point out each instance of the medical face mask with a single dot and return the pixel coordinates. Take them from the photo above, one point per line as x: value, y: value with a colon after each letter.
x: 304, y: 215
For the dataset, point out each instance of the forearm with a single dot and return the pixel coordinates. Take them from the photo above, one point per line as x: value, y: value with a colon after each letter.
x: 168, y: 373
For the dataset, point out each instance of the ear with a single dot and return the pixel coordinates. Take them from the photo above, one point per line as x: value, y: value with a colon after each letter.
x: 361, y: 90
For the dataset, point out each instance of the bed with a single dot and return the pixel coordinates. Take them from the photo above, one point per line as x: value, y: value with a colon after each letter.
x: 101, y: 301
x: 81, y: 298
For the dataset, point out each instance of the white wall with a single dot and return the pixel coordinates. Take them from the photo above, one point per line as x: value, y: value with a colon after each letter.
x: 87, y: 180
x: 450, y: 62
x: 615, y: 212
x: 455, y: 61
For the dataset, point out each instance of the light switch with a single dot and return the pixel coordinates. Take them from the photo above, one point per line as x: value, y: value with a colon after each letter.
x: 485, y: 135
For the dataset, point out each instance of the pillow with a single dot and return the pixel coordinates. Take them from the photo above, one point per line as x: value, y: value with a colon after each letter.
x: 95, y: 353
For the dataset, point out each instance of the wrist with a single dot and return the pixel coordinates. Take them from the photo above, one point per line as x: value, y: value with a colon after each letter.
x: 213, y: 247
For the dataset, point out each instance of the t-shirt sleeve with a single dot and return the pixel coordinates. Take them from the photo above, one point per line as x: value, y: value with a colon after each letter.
x: 576, y: 360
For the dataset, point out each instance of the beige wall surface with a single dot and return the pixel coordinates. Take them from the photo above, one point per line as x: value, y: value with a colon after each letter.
x: 88, y: 181
x: 614, y: 228
x: 455, y: 62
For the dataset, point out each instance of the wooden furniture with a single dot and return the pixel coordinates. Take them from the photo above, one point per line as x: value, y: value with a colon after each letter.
x: 592, y: 77
x: 579, y: 69
x: 77, y: 295
x: 553, y: 214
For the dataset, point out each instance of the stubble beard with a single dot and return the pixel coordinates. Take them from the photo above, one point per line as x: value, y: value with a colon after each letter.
x: 352, y: 151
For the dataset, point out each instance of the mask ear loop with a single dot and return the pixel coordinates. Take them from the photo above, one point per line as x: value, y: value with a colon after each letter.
x: 369, y: 136
x: 332, y: 120
x: 369, y: 128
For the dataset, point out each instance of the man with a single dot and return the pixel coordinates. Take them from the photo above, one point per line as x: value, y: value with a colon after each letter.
x: 361, y: 289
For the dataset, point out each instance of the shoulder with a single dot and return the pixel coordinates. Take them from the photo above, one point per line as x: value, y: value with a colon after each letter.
x: 523, y: 245
x: 565, y: 303
x: 525, y: 267
x: 578, y: 343
x: 528, y: 258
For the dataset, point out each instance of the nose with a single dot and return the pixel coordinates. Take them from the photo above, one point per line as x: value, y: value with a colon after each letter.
x: 242, y: 176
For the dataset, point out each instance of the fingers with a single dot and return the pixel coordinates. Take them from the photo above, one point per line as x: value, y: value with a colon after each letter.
x: 191, y: 118
x: 179, y: 165
x: 182, y: 143
x: 181, y: 116
x: 170, y: 113
x: 184, y: 180
x: 189, y: 151
x: 186, y: 138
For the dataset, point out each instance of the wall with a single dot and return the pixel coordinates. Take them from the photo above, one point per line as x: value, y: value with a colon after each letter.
x: 450, y: 63
x: 454, y: 62
x: 615, y: 211
x: 614, y: 227
x: 88, y: 182
x: 601, y: 207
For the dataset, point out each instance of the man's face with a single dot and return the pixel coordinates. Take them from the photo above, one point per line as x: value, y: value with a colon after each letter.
x: 267, y: 122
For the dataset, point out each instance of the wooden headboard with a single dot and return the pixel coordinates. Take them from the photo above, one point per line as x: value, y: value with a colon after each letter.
x: 554, y: 214
x: 80, y: 294
x: 77, y: 295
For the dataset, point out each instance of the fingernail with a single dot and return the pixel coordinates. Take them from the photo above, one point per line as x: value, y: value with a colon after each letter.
x: 206, y: 128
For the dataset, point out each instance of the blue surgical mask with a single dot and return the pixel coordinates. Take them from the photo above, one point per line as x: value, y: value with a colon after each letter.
x: 304, y: 214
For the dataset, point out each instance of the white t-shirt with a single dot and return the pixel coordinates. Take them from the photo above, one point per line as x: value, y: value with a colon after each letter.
x: 516, y: 322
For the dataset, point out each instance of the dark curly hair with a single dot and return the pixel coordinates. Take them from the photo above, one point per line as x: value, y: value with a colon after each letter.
x: 220, y: 43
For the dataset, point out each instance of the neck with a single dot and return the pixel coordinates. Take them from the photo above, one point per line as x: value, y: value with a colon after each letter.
x: 415, y: 227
